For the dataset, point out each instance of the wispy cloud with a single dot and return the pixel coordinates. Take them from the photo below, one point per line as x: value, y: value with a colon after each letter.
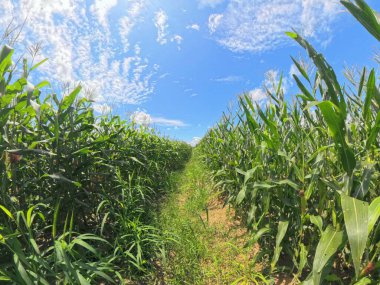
x: 271, y: 82
x: 177, y: 39
x: 259, y: 25
x: 195, y: 27
x: 229, y: 79
x: 214, y: 21
x: 195, y: 141
x: 257, y: 95
x: 81, y: 49
x: 143, y: 118
x: 209, y: 3
x: 128, y: 22
x: 161, y: 23
x: 164, y: 75
x: 100, y: 9
x: 167, y: 122
x: 103, y: 109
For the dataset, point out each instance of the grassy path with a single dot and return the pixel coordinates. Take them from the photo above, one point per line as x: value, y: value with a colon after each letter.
x: 209, y: 247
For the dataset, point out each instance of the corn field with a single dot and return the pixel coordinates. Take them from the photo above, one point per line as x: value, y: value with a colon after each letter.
x: 78, y: 192
x: 304, y: 175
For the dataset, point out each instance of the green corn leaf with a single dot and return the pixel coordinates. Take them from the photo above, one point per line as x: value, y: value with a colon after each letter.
x: 336, y: 126
x: 241, y: 195
x: 303, y: 258
x: 29, y: 217
x: 68, y: 100
x: 38, y: 64
x: 364, y: 281
x: 374, y: 132
x: 318, y: 222
x: 365, y: 15
x: 21, y: 270
x: 328, y: 245
x: 306, y: 93
x: 361, y: 83
x: 84, y: 244
x: 256, y: 236
x: 282, y: 228
x: 363, y: 187
x: 356, y: 221
x: 332, y: 117
x: 105, y: 276
x: 5, y: 58
x: 279, y: 85
x: 327, y: 74
x: 371, y: 85
x: 55, y: 220
x: 60, y: 177
x: 373, y: 214
x: 301, y: 70
x: 82, y: 280
x: 252, y: 124
x: 7, y: 212
x: 42, y: 84
x: 290, y: 183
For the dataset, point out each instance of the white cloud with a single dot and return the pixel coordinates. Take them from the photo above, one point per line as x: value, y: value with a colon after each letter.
x: 272, y: 80
x: 195, y: 141
x: 209, y: 3
x: 128, y: 22
x: 195, y: 27
x: 178, y: 39
x: 259, y: 25
x: 162, y: 76
x: 214, y: 22
x: 257, y: 95
x: 160, y: 121
x: 101, y: 9
x: 230, y: 78
x: 103, y: 109
x: 143, y: 118
x: 161, y: 23
x: 80, y: 48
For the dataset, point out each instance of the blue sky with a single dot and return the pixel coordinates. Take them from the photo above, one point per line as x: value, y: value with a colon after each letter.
x: 177, y: 65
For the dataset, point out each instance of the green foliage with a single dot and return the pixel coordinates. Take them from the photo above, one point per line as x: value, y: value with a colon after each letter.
x: 313, y: 163
x: 65, y: 172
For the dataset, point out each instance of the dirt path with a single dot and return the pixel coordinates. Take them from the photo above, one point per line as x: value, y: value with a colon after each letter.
x: 211, y: 247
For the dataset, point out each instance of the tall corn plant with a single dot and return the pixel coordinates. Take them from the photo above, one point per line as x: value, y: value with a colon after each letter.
x: 304, y: 175
x: 104, y: 173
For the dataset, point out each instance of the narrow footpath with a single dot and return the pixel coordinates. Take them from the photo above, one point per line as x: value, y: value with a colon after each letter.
x: 210, y: 240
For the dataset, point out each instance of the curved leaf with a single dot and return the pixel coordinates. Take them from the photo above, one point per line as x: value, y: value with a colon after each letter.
x: 356, y: 221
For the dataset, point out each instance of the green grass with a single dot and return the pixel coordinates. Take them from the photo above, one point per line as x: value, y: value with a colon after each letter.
x: 180, y: 216
x: 204, y: 251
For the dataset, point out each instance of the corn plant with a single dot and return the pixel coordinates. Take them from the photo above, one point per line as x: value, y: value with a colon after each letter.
x: 78, y: 192
x: 304, y: 174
